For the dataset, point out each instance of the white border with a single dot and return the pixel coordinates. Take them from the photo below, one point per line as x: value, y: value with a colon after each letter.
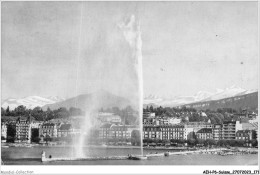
x: 131, y: 169
x: 113, y: 170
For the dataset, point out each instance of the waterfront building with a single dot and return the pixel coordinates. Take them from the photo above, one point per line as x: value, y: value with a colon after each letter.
x: 104, y: 131
x: 64, y: 130
x: 23, y: 130
x: 204, y: 134
x: 188, y: 133
x: 191, y: 128
x: 251, y: 126
x: 76, y: 131
x: 167, y: 132
x: 48, y: 130
x: 217, y: 132
x: 229, y: 129
x: 122, y: 131
x: 3, y: 132
x: 172, y: 132
x: 152, y: 132
x: 112, y: 131
x: 245, y: 135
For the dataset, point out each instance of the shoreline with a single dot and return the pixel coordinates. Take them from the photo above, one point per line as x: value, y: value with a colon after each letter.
x: 19, y: 145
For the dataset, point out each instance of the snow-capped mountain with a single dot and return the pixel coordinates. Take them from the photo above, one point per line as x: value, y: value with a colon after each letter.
x: 226, y: 93
x: 152, y: 99
x: 201, y: 96
x: 176, y: 100
x: 30, y: 102
x: 56, y: 98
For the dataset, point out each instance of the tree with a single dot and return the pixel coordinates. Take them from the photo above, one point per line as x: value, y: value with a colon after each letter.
x: 240, y: 142
x: 38, y: 114
x: 191, y: 142
x: 75, y: 111
x: 183, y: 120
x: 210, y: 142
x: 231, y: 142
x: 47, y: 138
x: 166, y: 141
x: 61, y: 113
x: 3, y: 113
x: 148, y: 140
x: 195, y: 117
x: 151, y: 109
x: 184, y: 109
x: 223, y: 143
x: 20, y: 110
x: 147, y: 109
x: 200, y: 141
x: 254, y: 142
x: 7, y: 112
x: 220, y: 110
x: 168, y: 112
x: 181, y: 141
x: 213, y: 120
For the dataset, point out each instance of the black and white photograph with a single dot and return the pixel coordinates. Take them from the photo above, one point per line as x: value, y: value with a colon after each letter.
x: 130, y: 83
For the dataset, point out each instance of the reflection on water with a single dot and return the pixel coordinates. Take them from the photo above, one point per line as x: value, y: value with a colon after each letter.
x: 31, y: 156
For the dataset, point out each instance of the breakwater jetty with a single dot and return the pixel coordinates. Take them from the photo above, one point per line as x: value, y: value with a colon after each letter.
x: 128, y: 157
x: 134, y: 157
x: 204, y: 151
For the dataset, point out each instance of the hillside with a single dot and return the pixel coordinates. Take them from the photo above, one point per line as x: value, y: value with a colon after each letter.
x: 97, y: 100
x: 248, y: 101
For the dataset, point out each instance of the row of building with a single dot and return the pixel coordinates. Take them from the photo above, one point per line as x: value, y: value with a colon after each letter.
x: 110, y: 128
x: 112, y: 131
x: 25, y: 127
x: 154, y: 128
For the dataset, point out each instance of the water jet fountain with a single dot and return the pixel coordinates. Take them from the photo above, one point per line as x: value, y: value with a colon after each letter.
x: 130, y: 31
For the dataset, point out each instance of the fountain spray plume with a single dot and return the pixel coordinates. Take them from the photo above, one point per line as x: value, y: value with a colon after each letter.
x: 87, y: 125
x: 88, y: 121
x: 132, y: 33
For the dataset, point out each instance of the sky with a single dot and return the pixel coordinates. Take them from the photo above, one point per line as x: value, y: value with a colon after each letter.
x: 69, y: 48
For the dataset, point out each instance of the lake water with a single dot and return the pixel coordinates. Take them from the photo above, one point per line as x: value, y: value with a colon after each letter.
x: 31, y: 156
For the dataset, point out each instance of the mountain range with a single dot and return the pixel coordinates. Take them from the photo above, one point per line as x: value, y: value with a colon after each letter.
x: 30, y: 102
x: 105, y: 99
x: 201, y: 96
